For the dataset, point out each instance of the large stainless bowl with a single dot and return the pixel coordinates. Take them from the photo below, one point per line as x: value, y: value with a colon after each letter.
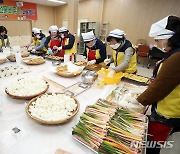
x: 88, y: 77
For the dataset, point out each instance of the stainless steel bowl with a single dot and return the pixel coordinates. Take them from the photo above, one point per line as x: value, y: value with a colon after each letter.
x: 88, y: 77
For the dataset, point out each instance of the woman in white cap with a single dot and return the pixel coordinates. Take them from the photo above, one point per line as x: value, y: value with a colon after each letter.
x: 39, y: 40
x: 95, y: 50
x: 32, y: 37
x: 123, y: 54
x: 164, y: 92
x: 68, y: 45
x: 53, y: 40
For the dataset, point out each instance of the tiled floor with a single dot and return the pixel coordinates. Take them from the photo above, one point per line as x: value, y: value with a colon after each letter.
x: 144, y: 71
x: 142, y: 68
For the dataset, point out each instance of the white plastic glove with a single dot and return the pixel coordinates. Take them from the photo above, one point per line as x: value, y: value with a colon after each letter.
x: 55, y: 52
x: 84, y: 57
x: 91, y: 62
x: 107, y: 61
x: 49, y: 51
x: 55, y: 47
x: 112, y: 66
x: 33, y: 50
x: 111, y: 73
x: 134, y: 100
x: 60, y: 48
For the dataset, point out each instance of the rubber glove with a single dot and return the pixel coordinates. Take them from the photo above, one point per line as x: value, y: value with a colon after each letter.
x: 55, y: 52
x: 60, y: 48
x: 91, y: 62
x: 55, y: 47
x: 33, y: 50
x: 107, y: 61
x: 50, y: 51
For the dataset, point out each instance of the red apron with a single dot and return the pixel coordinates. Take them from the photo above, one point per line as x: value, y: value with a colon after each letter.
x: 55, y: 43
x: 62, y: 52
x: 92, y: 55
x: 158, y: 131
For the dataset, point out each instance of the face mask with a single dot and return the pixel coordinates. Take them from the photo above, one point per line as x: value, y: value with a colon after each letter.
x: 94, y: 42
x: 53, y: 37
x: 115, y: 46
x: 163, y: 46
x: 62, y: 36
x: 38, y: 36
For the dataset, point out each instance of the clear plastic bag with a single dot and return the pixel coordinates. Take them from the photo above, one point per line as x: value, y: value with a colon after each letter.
x: 10, y: 137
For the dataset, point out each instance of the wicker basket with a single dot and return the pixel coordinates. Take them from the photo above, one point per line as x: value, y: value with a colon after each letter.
x: 11, y: 57
x: 3, y: 60
x: 68, y: 75
x: 52, y: 122
x: 25, y: 54
x: 26, y: 97
x: 25, y: 60
x: 51, y: 57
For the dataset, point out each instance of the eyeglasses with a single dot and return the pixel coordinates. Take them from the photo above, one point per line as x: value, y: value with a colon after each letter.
x: 87, y: 42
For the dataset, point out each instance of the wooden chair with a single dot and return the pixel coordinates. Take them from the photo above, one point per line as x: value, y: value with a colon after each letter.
x: 141, y: 42
x: 142, y: 51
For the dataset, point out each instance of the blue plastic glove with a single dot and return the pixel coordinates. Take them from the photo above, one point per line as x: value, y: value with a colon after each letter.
x: 50, y: 51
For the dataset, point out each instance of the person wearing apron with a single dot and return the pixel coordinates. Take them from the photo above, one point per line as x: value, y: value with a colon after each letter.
x: 164, y: 92
x: 39, y: 40
x: 53, y: 41
x: 67, y: 45
x: 95, y: 49
x: 123, y: 53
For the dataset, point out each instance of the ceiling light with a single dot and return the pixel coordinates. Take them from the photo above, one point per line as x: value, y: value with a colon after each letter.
x: 57, y: 1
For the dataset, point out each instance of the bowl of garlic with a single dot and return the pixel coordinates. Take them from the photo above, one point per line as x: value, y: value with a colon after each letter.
x: 26, y: 88
x: 52, y: 108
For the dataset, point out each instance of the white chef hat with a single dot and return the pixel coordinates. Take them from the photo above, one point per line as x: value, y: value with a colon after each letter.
x: 158, y: 30
x: 53, y: 28
x: 89, y: 36
x: 33, y: 29
x: 37, y: 31
x: 63, y: 29
x: 117, y: 33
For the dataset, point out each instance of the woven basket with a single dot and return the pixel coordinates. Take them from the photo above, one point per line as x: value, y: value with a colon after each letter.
x: 33, y: 63
x: 52, y: 122
x: 25, y: 54
x: 68, y: 75
x: 2, y: 61
x: 53, y: 57
x: 26, y: 97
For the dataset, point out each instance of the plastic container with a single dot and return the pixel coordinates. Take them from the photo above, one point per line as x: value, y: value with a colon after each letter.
x: 108, y: 80
x: 66, y: 58
x: 18, y: 58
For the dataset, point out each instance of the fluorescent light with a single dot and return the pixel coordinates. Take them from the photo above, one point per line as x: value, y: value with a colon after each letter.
x: 57, y: 1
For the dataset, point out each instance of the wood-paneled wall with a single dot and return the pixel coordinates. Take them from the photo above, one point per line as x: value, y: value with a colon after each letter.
x: 17, y: 28
x: 61, y: 14
x: 90, y: 9
x: 136, y: 16
x: 46, y: 18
